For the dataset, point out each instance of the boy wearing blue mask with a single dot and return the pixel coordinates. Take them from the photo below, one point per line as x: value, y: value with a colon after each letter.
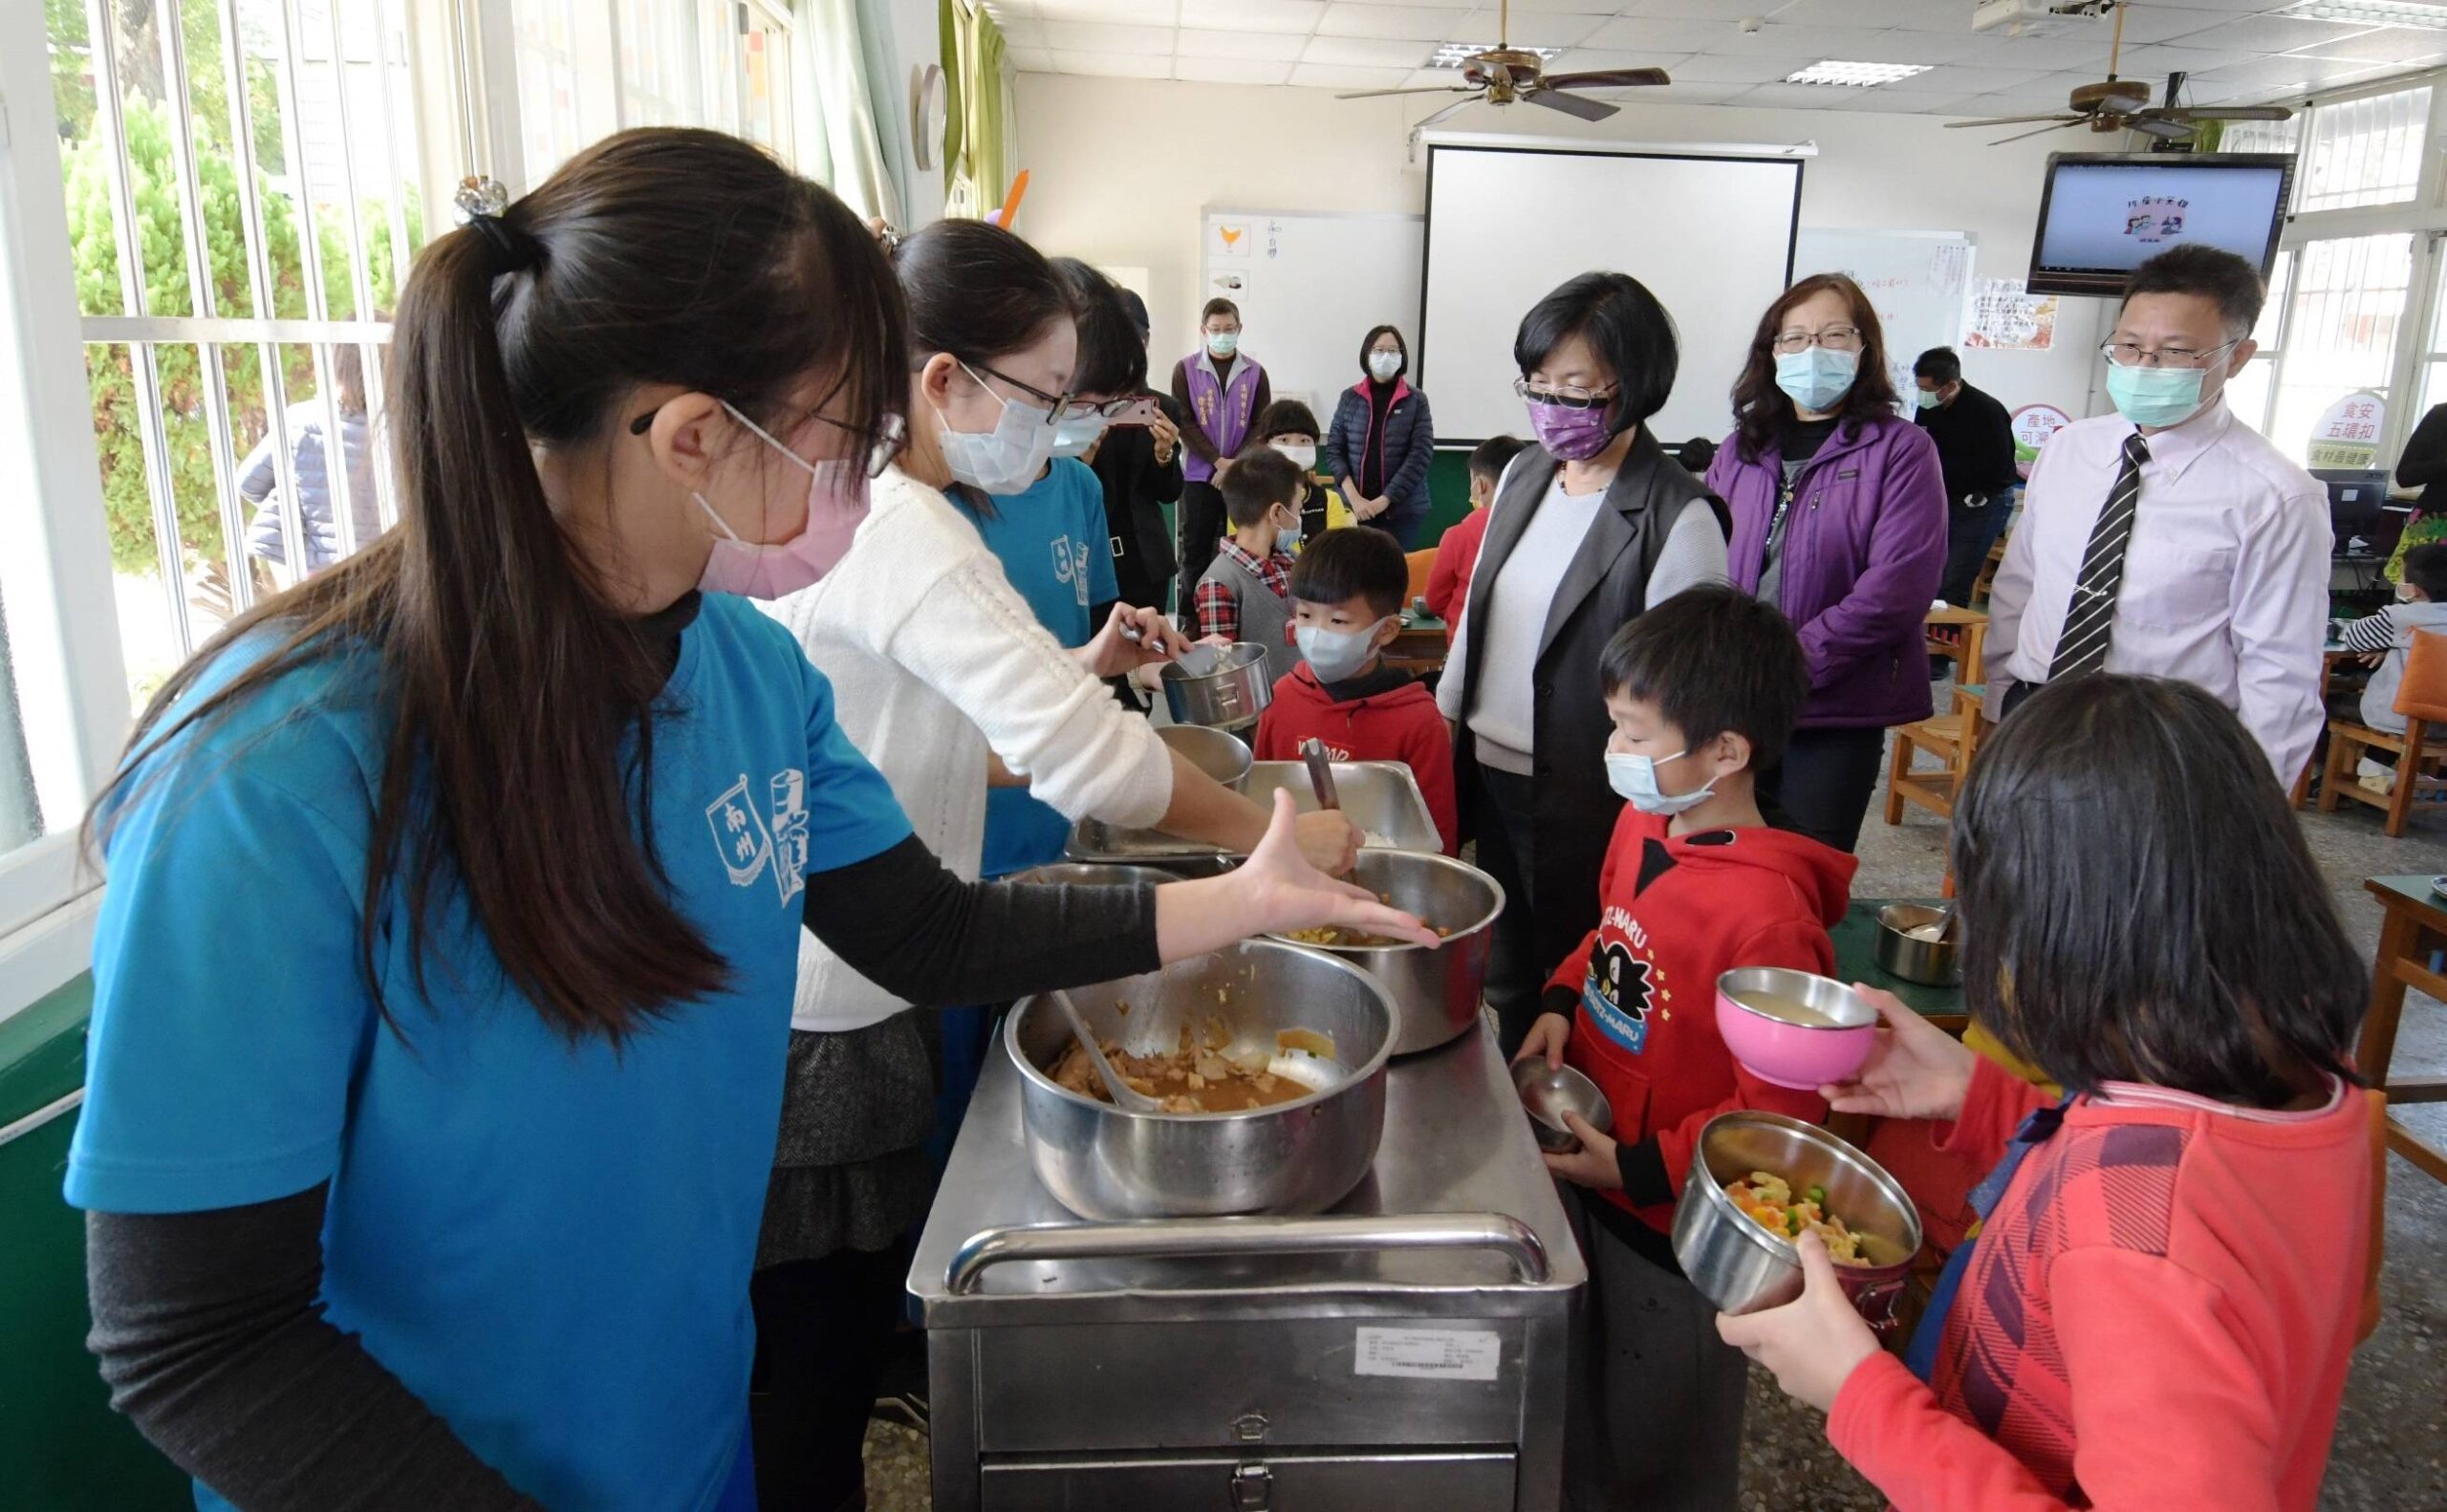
x: 1347, y: 591
x: 1704, y: 690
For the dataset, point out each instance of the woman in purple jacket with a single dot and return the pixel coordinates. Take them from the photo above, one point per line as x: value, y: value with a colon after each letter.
x: 1839, y: 519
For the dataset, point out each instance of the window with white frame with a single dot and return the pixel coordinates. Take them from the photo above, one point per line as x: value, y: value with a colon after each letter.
x: 589, y: 67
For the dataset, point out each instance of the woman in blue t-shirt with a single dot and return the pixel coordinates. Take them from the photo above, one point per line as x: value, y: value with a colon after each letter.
x: 441, y: 984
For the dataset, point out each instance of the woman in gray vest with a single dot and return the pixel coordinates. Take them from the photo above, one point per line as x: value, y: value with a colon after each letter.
x: 1589, y: 528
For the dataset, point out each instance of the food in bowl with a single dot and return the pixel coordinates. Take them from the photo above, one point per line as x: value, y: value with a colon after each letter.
x: 1794, y: 1028
x: 1343, y: 935
x: 1210, y: 1077
x: 1769, y: 1202
x: 1791, y: 1010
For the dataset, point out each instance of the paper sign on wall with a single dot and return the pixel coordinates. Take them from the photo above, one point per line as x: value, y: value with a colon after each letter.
x: 2005, y: 317
x: 1231, y: 240
x: 2033, y: 425
x: 1436, y: 1354
x: 2347, y: 437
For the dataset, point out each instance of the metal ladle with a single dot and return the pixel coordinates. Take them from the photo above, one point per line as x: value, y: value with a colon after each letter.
x: 1321, y: 772
x: 1124, y: 1096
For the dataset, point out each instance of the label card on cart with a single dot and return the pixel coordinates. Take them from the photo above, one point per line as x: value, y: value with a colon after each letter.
x: 1444, y: 1354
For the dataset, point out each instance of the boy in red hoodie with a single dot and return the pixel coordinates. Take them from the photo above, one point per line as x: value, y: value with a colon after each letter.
x: 1347, y: 603
x: 1703, y: 690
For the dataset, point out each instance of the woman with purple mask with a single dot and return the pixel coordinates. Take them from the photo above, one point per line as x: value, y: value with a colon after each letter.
x: 1589, y: 528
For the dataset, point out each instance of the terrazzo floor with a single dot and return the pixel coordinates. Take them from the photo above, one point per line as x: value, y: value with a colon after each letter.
x: 2390, y: 1449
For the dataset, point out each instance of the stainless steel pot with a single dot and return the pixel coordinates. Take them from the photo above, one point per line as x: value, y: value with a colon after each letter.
x: 1435, y: 991
x: 1223, y: 687
x: 1931, y: 962
x: 1739, y: 1267
x: 1298, y: 1157
x: 1219, y: 754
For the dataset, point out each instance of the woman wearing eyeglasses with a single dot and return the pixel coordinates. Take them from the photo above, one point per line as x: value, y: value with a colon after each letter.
x: 947, y: 680
x: 1590, y: 527
x: 1839, y: 519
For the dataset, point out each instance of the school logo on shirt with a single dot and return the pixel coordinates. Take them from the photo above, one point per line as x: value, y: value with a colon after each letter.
x: 749, y: 843
x: 1070, y: 565
x: 1622, y: 985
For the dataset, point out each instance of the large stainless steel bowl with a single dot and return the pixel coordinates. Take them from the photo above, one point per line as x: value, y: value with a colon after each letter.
x: 1223, y: 687
x: 1219, y: 754
x: 1739, y: 1267
x: 1299, y: 1157
x: 1435, y: 991
x: 1093, y: 874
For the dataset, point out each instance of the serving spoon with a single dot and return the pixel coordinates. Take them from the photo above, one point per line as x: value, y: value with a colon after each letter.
x: 1124, y: 1096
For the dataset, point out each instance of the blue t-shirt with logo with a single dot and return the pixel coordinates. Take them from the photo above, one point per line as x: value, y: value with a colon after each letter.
x: 548, y: 1240
x: 1056, y: 549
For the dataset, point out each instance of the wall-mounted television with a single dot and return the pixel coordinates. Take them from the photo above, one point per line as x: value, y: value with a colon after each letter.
x: 2102, y: 214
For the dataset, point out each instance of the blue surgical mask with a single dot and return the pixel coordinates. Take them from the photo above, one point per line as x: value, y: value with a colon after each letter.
x: 1224, y: 343
x: 1336, y: 655
x: 1816, y: 379
x: 1926, y: 398
x: 1072, y: 438
x: 2154, y: 397
x: 1634, y: 778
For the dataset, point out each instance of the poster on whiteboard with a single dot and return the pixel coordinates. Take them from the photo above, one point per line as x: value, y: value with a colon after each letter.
x: 1920, y: 283
x: 2005, y: 318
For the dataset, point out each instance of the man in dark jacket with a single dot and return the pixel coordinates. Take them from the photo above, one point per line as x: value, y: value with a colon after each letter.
x: 1975, y: 440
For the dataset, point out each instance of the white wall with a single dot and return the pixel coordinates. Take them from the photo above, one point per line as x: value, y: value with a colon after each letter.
x: 1120, y: 171
x: 916, y: 38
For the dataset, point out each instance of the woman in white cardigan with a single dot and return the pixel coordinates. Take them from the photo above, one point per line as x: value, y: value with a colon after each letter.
x: 945, y: 680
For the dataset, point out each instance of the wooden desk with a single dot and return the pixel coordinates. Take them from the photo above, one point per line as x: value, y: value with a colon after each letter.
x: 2414, y: 925
x: 1961, y: 636
x: 1421, y: 644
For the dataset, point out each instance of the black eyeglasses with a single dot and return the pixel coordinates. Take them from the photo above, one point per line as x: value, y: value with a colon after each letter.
x: 882, y: 445
x: 1056, y: 406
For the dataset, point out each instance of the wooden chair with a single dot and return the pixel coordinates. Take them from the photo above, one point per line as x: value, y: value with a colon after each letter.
x: 2420, y: 751
x: 1987, y: 578
x: 1421, y: 563
x: 1960, y: 635
x: 1952, y: 738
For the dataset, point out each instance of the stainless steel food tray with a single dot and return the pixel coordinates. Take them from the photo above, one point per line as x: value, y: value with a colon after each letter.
x: 1381, y: 797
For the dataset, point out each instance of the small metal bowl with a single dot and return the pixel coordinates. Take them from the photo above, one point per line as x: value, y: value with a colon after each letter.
x: 1219, y: 754
x: 1549, y: 1092
x: 1930, y: 963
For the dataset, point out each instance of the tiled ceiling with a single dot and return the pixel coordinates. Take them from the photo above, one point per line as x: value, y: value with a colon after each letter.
x: 2233, y: 50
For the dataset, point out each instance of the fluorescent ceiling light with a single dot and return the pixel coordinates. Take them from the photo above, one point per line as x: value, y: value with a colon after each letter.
x: 1855, y: 76
x: 2372, y: 12
x: 1453, y: 54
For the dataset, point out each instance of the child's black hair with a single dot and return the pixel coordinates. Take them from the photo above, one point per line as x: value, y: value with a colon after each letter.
x: 2138, y: 904
x: 1355, y: 562
x: 1491, y: 456
x: 1285, y: 417
x: 2426, y: 569
x: 1261, y: 478
x: 1714, y: 660
x: 1696, y: 455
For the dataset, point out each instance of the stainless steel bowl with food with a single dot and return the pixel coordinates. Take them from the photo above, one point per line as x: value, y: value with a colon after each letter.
x: 1219, y: 754
x: 1758, y: 1181
x: 1271, y: 1062
x: 1435, y: 988
x: 1911, y: 944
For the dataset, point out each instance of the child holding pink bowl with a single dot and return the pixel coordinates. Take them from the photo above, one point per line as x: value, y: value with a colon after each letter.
x: 2160, y: 1307
x: 1703, y: 690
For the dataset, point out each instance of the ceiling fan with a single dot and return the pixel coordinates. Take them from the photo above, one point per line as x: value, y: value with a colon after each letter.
x: 1503, y: 74
x: 2123, y: 104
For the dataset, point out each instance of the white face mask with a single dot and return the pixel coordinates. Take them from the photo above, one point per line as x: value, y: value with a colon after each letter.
x: 1634, y: 778
x: 1305, y: 457
x: 1383, y: 365
x: 1004, y: 460
x: 1336, y: 655
x: 1072, y: 438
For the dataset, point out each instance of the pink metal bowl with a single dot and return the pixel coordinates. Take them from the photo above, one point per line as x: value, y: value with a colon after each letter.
x: 1794, y: 1028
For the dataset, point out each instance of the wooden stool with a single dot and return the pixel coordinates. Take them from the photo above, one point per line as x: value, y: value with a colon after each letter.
x: 1986, y: 581
x: 2422, y: 699
x: 1951, y: 738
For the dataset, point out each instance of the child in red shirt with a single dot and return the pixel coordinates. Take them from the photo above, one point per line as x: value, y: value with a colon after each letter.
x: 1347, y: 603
x: 1703, y: 690
x: 2160, y: 1309
x: 1457, y: 552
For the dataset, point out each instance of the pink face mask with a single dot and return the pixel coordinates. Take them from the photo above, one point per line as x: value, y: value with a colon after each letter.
x: 1570, y: 434
x: 836, y: 502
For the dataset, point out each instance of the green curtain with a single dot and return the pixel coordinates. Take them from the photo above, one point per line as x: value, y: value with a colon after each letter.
x: 976, y: 134
x: 847, y: 95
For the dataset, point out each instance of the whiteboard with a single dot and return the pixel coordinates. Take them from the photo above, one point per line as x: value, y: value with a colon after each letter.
x: 1711, y: 237
x: 1920, y: 282
x: 1309, y: 284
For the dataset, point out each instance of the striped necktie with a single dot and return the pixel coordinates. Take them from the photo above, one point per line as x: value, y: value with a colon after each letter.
x: 2082, y: 646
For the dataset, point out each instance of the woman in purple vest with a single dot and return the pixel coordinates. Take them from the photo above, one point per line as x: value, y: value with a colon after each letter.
x: 1839, y: 519
x: 1221, y: 393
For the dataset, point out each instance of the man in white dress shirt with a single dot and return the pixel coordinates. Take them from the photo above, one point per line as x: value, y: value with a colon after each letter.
x: 2171, y: 539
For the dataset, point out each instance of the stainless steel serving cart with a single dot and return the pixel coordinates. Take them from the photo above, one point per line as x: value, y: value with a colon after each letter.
x: 1405, y: 1350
